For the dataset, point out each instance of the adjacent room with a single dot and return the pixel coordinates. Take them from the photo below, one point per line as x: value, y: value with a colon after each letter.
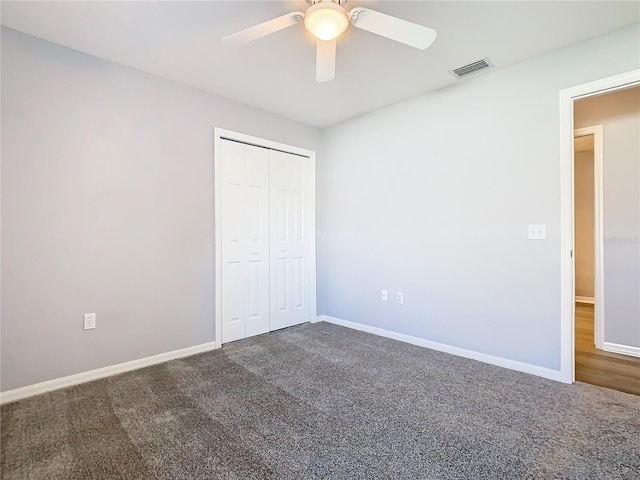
x: 304, y: 239
x: 607, y: 260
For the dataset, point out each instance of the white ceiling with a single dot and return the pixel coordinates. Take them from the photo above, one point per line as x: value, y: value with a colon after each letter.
x: 180, y: 41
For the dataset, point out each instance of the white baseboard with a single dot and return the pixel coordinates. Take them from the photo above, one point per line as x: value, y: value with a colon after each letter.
x: 621, y: 349
x: 78, y: 378
x: 441, y: 347
x: 580, y: 299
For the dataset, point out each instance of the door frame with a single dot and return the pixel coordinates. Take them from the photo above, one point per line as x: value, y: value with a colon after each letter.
x: 567, y: 265
x: 598, y: 235
x: 224, y: 134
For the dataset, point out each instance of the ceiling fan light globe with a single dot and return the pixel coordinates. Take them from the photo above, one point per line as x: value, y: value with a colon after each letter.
x: 326, y: 21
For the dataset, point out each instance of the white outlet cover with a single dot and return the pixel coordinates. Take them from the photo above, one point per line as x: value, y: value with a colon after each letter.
x: 89, y: 321
x: 400, y: 297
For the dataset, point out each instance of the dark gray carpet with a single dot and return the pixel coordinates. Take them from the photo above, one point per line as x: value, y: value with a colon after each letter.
x: 321, y: 401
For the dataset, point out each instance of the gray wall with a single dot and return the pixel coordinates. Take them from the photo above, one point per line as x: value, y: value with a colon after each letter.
x: 584, y: 218
x: 432, y: 197
x: 619, y: 114
x: 107, y: 207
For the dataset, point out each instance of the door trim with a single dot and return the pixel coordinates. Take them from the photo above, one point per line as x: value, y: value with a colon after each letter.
x: 223, y: 134
x: 598, y: 186
x: 567, y: 267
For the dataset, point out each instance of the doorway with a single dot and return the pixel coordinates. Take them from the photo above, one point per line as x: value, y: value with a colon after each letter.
x: 572, y: 313
x: 265, y: 236
x: 588, y: 219
x: 590, y: 363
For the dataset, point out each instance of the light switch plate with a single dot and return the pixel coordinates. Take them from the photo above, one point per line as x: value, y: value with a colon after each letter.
x: 537, y: 231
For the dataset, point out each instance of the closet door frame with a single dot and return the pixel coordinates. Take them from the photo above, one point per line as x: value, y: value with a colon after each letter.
x: 223, y: 134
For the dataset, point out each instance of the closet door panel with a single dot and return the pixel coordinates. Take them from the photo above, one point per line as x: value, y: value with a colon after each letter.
x: 266, y: 234
x: 245, y: 240
x: 291, y: 179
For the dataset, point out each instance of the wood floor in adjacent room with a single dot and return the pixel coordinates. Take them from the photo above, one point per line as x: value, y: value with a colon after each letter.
x: 597, y: 367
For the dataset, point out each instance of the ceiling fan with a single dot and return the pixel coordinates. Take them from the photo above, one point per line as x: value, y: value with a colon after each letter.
x: 327, y: 20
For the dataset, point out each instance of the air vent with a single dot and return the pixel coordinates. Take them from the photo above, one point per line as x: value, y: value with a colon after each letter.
x: 472, y: 68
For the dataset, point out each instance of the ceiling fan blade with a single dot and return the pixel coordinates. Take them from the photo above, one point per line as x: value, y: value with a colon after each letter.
x: 263, y: 29
x: 325, y: 60
x: 394, y: 28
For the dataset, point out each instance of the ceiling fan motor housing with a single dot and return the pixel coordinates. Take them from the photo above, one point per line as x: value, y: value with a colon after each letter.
x: 326, y: 20
x: 339, y: 2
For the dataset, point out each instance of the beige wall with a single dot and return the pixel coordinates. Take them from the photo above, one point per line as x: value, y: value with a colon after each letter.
x: 584, y: 224
x: 619, y: 114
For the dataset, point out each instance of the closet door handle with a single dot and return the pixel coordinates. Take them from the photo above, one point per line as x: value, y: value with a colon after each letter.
x: 255, y: 252
x: 283, y: 250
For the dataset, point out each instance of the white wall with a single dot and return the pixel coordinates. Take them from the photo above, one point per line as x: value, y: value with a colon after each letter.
x: 619, y: 115
x: 433, y: 196
x: 107, y: 207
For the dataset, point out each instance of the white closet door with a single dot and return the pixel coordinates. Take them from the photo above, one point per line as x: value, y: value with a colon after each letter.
x: 291, y: 190
x: 245, y: 240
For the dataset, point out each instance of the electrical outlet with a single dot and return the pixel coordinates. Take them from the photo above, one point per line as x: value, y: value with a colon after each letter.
x: 383, y: 296
x: 89, y: 321
x: 400, y: 297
